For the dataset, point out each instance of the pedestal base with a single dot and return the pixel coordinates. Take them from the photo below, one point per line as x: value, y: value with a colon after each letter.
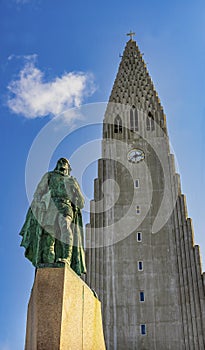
x: 63, y: 313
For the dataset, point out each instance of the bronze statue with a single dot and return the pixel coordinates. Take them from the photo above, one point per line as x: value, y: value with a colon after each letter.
x: 53, y: 230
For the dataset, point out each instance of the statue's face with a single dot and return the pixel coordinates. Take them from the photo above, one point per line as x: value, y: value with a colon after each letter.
x: 63, y: 167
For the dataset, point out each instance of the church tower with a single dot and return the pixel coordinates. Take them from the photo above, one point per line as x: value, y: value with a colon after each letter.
x: 141, y: 257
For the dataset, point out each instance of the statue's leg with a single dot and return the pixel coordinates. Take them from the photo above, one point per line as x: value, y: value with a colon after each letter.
x: 66, y: 239
x: 47, y: 247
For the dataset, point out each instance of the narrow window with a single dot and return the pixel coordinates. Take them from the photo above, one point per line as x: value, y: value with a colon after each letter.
x: 131, y: 120
x: 140, y: 265
x: 139, y: 236
x: 137, y: 183
x: 118, y: 125
x: 137, y: 209
x: 148, y: 124
x: 142, y: 296
x: 151, y: 121
x: 136, y: 120
x: 143, y: 329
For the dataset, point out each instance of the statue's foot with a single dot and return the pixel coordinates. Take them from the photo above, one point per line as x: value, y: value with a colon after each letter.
x: 65, y: 261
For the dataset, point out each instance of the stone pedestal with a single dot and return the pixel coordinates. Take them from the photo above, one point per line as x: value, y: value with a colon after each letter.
x: 63, y: 313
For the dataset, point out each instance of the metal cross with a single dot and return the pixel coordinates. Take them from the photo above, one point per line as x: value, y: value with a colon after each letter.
x: 131, y: 34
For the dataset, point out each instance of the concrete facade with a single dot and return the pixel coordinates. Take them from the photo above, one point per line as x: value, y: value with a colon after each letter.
x: 141, y: 257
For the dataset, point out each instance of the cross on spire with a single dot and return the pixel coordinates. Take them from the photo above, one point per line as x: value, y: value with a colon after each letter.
x: 131, y: 34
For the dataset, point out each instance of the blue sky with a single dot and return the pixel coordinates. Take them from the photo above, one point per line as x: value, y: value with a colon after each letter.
x: 48, y: 47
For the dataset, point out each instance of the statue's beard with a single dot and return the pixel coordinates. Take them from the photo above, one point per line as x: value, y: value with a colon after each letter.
x: 63, y: 170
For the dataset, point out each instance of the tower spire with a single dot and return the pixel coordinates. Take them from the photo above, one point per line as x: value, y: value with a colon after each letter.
x: 133, y: 85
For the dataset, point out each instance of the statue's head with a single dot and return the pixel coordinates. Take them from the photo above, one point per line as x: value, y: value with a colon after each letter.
x: 63, y: 166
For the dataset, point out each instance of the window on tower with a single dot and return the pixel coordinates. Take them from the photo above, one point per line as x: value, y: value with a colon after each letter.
x: 134, y: 119
x: 137, y: 209
x: 143, y: 329
x: 137, y: 183
x: 150, y: 122
x: 141, y: 296
x: 131, y: 120
x: 139, y: 236
x: 140, y: 265
x: 118, y: 125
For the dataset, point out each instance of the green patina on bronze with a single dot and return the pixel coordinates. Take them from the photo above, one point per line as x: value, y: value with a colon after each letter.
x: 53, y: 229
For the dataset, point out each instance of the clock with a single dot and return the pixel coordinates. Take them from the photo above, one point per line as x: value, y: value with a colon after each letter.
x: 135, y: 155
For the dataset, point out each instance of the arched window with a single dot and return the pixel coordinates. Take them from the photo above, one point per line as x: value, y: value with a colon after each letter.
x: 118, y: 125
x: 133, y: 119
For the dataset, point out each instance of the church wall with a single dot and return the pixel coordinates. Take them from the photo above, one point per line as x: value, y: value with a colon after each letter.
x: 164, y: 264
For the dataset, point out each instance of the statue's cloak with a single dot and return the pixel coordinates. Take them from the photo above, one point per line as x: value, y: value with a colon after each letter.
x: 31, y: 239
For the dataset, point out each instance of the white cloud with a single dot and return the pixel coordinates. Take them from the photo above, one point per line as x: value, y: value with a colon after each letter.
x: 32, y: 96
x: 26, y: 58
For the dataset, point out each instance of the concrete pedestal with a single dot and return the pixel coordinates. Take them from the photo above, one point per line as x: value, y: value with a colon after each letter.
x: 63, y: 313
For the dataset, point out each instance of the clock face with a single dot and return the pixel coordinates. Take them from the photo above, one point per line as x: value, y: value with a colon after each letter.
x: 135, y: 155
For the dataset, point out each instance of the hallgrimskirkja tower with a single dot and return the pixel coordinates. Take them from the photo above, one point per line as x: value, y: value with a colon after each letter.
x: 141, y: 257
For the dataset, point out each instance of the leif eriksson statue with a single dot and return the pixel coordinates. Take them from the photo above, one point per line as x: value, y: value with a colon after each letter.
x: 53, y: 230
